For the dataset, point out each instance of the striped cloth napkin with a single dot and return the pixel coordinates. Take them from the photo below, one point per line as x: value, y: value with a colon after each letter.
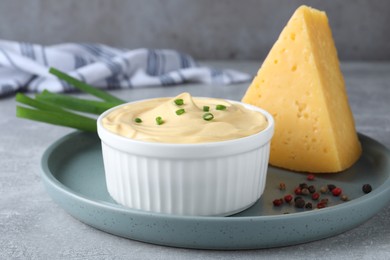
x: 24, y: 67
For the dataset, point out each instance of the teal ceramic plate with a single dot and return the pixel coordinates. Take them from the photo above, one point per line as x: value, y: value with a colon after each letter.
x: 74, y: 177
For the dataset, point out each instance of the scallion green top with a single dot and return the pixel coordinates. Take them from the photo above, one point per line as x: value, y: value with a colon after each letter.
x: 179, y: 101
x: 208, y: 116
x: 159, y: 120
x: 180, y: 111
x: 220, y: 107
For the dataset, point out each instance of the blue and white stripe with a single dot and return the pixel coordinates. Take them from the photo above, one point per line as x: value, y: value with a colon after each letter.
x: 24, y: 67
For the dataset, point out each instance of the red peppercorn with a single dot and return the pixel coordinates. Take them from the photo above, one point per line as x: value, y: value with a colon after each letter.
x: 298, y: 191
x: 321, y: 205
x: 315, y: 196
x: 277, y: 202
x: 310, y: 177
x: 337, y: 191
x: 325, y: 200
x: 288, y: 198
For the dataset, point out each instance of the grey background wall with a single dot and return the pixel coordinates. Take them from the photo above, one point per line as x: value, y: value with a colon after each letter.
x: 206, y: 29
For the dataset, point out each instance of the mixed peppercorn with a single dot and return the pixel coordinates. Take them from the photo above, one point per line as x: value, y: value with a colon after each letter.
x: 308, y: 197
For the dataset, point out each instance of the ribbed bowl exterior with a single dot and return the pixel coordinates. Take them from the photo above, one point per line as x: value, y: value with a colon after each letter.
x: 215, y: 186
x: 211, y: 179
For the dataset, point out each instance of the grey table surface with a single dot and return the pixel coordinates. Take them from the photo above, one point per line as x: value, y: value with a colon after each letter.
x: 32, y: 226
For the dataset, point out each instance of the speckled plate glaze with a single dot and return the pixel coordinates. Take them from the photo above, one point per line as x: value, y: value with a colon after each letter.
x: 74, y: 177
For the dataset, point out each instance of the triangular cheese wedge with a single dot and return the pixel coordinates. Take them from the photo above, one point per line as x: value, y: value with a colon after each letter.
x: 301, y: 85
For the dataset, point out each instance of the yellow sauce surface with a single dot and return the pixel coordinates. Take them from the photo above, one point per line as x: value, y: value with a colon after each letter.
x: 235, y: 121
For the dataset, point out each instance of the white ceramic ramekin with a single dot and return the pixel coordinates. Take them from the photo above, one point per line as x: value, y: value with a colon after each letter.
x: 205, y: 179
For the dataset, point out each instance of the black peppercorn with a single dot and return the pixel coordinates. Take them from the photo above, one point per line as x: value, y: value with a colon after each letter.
x: 312, y: 189
x: 331, y: 187
x: 309, y: 205
x: 367, y: 188
x: 303, y: 185
x: 297, y: 198
x: 300, y: 203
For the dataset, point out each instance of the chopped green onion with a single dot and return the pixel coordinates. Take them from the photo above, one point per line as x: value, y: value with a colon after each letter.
x: 179, y: 101
x: 138, y: 120
x: 208, y: 116
x: 180, y: 112
x: 206, y: 108
x: 85, y: 87
x: 220, y: 107
x: 159, y: 120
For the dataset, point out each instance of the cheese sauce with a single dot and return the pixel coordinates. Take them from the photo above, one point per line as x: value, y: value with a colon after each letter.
x: 232, y: 122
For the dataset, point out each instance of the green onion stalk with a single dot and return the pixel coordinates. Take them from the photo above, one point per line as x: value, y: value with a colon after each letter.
x: 63, y: 110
